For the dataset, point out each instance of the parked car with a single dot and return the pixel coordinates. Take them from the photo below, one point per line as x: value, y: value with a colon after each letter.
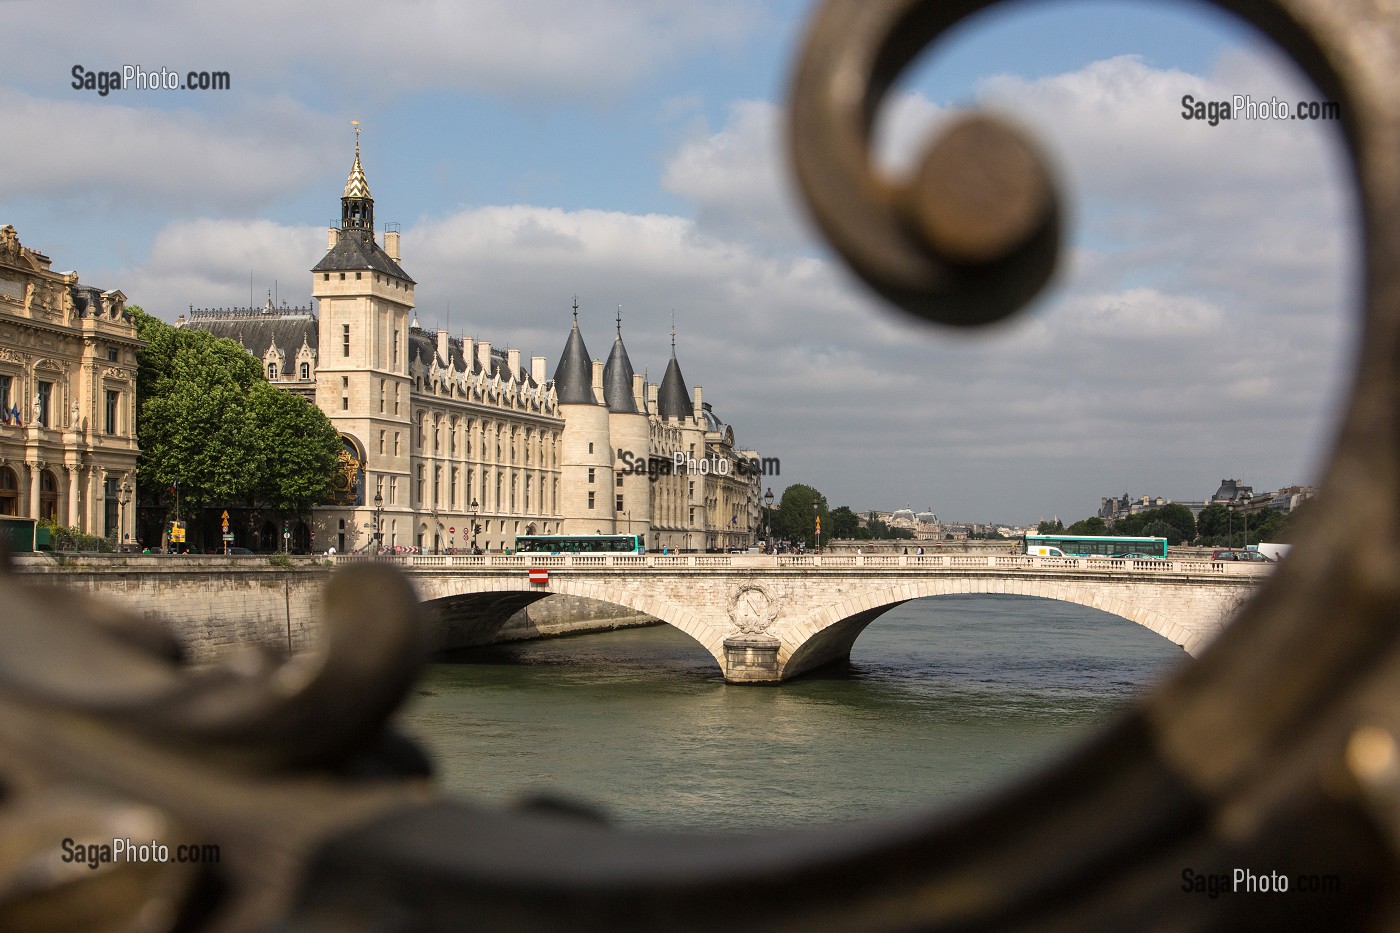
x: 238, y: 551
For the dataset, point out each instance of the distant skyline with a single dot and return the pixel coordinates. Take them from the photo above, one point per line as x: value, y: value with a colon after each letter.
x: 630, y: 153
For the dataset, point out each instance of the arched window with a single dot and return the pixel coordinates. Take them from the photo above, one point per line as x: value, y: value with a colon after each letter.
x: 48, y: 496
x: 9, y: 492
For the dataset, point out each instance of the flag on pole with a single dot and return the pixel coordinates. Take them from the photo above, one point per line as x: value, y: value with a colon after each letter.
x: 14, y: 414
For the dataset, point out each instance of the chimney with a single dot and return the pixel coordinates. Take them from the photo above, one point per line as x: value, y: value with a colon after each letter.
x: 651, y: 396
x: 442, y: 347
x: 699, y: 406
x: 467, y: 349
x: 537, y: 370
x: 639, y: 393
x: 391, y: 244
x: 598, y: 381
x: 483, y: 355
x: 332, y: 237
x: 513, y: 361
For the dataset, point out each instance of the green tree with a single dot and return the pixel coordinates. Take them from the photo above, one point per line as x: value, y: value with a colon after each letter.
x: 795, y: 519
x: 844, y: 523
x: 208, y: 420
x: 1050, y: 527
x: 1088, y: 526
x: 296, y: 450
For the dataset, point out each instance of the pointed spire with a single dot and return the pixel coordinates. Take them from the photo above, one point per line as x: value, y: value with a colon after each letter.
x: 617, y: 377
x: 673, y: 399
x: 573, y: 378
x: 356, y: 204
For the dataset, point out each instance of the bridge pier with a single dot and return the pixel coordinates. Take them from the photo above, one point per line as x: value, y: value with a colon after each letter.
x: 751, y: 659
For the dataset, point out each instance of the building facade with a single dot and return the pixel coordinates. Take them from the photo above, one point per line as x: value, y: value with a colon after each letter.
x: 68, y: 391
x: 451, y: 443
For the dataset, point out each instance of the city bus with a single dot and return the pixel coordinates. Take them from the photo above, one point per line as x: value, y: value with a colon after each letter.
x: 1094, y: 546
x: 579, y: 544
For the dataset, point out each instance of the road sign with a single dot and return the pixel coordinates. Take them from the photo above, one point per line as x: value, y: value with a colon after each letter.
x: 286, y: 534
x: 452, y: 530
x: 539, y: 575
x: 225, y: 516
x: 228, y: 537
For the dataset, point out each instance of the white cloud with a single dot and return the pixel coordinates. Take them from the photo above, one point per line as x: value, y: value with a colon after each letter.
x: 1195, y: 329
x: 354, y: 49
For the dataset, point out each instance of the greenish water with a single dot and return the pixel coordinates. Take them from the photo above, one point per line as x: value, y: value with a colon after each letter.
x: 945, y: 698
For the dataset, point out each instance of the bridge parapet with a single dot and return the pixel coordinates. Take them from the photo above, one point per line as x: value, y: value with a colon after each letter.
x: 844, y: 563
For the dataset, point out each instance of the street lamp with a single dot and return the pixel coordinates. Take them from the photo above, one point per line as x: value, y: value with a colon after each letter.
x: 471, y: 516
x: 768, y: 518
x: 437, y: 530
x: 378, y: 522
x: 121, y: 517
x: 817, y: 512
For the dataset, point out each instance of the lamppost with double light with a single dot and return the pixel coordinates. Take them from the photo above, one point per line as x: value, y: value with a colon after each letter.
x: 122, y: 501
x: 471, y: 517
x: 378, y: 522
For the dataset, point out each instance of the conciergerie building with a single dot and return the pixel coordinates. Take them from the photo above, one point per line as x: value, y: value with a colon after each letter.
x: 443, y: 434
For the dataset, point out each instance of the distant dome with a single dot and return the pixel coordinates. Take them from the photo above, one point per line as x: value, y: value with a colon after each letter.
x: 927, y: 518
x: 903, y: 515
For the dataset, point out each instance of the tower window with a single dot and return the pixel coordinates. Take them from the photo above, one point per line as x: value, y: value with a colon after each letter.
x: 342, y: 276
x: 357, y: 276
x: 590, y: 500
x: 345, y: 334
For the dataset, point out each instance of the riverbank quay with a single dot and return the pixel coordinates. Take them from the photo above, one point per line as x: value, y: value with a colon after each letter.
x: 216, y: 604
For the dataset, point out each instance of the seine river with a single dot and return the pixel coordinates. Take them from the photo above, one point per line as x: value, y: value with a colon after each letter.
x: 945, y: 699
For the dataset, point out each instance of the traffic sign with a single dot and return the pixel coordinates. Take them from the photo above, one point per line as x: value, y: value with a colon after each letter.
x: 452, y: 530
x: 228, y: 537
x: 225, y: 516
x: 286, y: 534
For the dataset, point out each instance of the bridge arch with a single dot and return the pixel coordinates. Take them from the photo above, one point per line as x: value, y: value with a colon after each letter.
x: 828, y: 634
x: 505, y: 597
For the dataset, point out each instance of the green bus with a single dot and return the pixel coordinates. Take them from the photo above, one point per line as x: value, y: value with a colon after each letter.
x: 1095, y: 546
x: 579, y: 544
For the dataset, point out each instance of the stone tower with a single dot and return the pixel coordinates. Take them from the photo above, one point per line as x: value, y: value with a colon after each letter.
x: 362, y: 381
x: 630, y: 432
x: 586, y: 456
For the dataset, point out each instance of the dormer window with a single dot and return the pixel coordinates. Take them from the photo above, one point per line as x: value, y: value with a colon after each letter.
x: 271, y: 372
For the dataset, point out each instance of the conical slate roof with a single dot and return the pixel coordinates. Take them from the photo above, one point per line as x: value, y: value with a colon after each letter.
x: 617, y: 379
x: 673, y: 399
x: 573, y: 379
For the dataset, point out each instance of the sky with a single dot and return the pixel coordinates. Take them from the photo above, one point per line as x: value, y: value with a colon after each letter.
x: 1201, y: 324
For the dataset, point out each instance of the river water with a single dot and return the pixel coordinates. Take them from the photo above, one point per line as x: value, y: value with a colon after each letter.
x: 945, y: 699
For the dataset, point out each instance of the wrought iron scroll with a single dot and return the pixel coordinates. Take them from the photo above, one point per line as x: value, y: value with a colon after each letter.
x: 1277, y: 751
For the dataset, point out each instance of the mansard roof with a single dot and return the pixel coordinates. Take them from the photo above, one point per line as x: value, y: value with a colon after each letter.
x: 256, y: 329
x: 573, y: 379
x: 356, y: 251
x: 617, y: 380
x: 673, y: 399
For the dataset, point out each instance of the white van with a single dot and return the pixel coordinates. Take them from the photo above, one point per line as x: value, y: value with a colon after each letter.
x: 1039, y: 550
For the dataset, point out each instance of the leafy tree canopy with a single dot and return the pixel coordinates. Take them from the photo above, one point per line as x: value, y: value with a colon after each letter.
x: 209, y: 421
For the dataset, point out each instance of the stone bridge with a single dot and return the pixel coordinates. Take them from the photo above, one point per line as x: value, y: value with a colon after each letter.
x: 765, y: 619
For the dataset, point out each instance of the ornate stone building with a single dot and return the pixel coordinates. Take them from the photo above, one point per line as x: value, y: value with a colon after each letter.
x: 68, y: 391
x: 444, y: 435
